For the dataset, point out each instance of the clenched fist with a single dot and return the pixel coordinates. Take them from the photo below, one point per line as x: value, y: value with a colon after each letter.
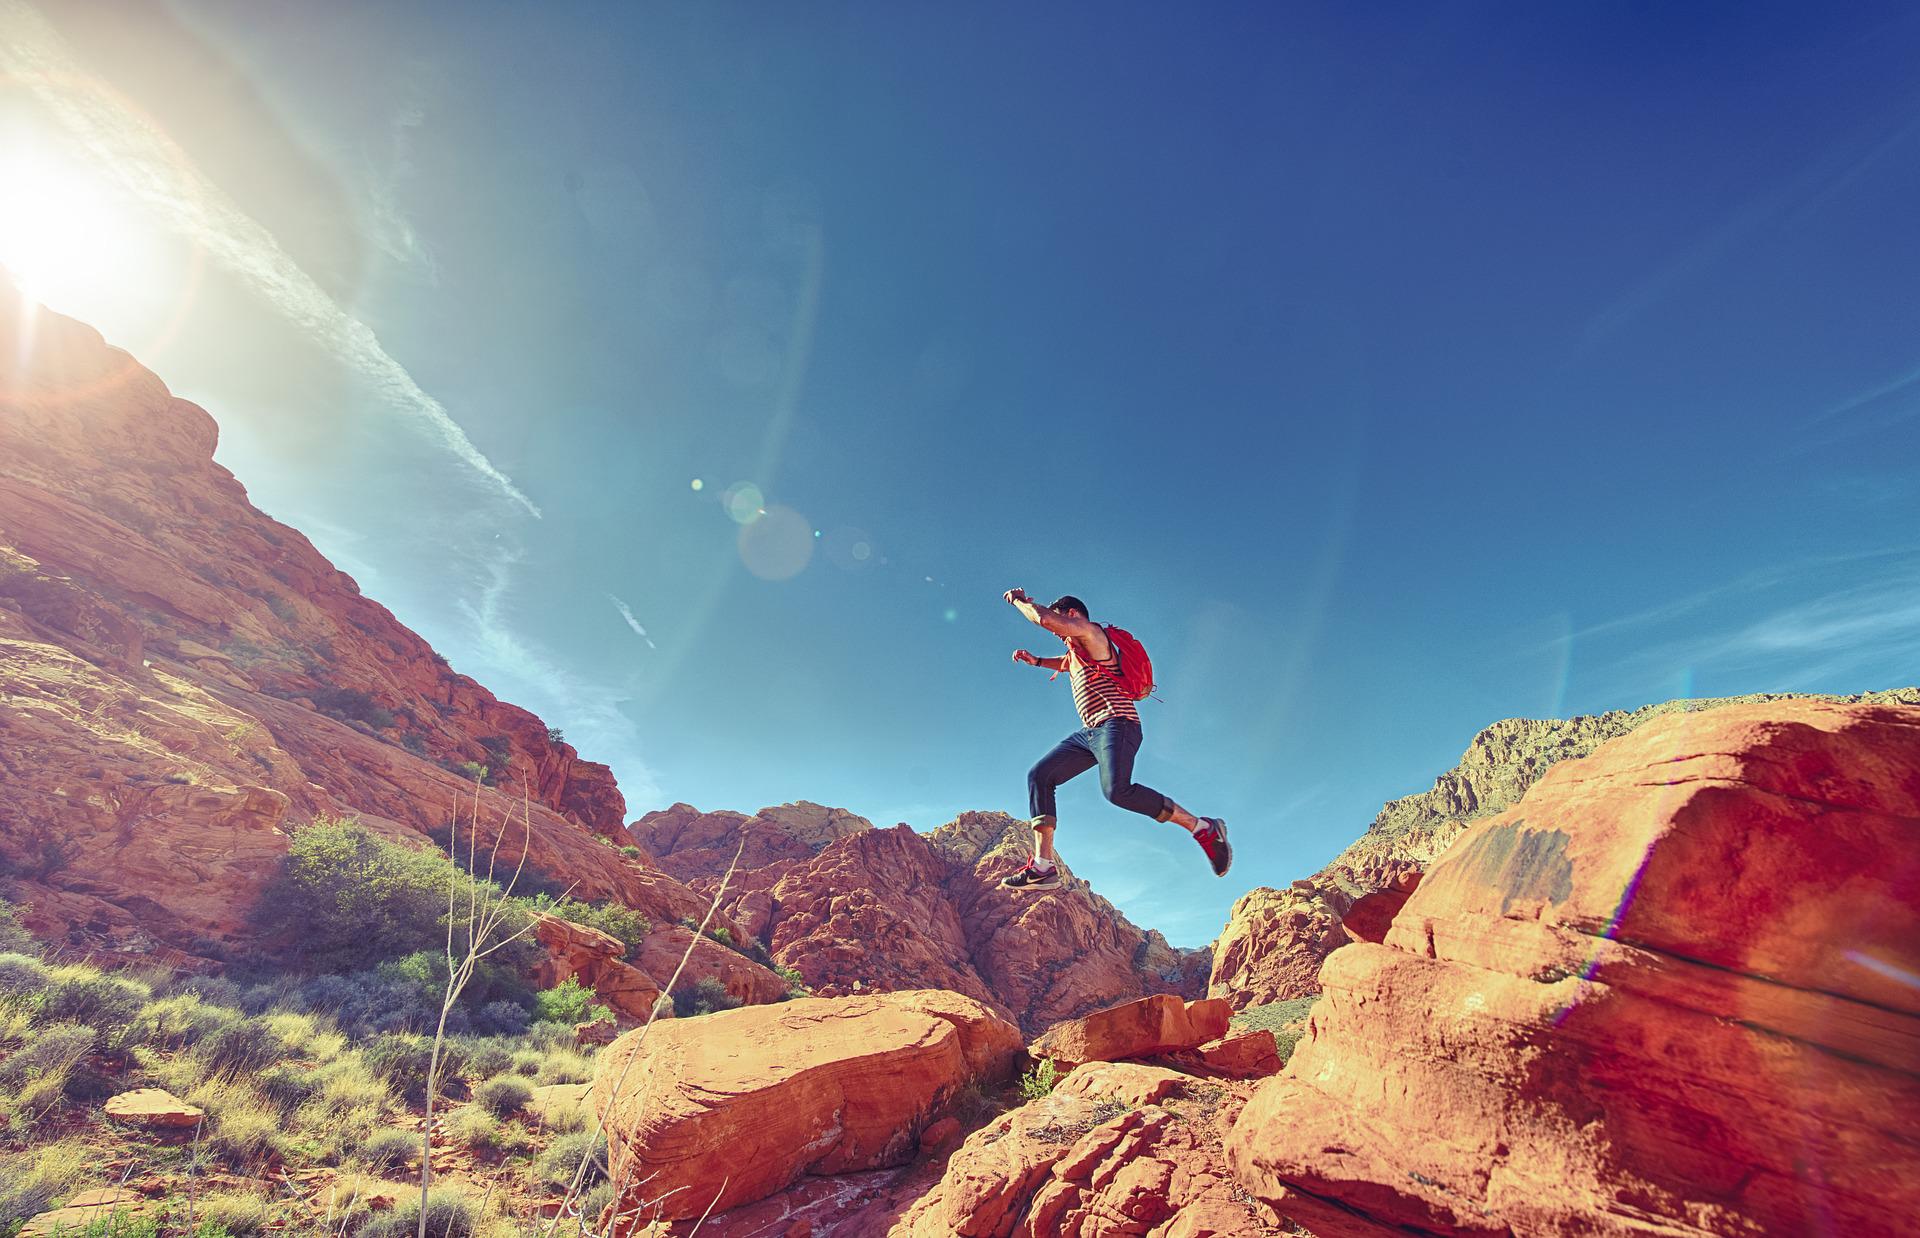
x: 1024, y: 658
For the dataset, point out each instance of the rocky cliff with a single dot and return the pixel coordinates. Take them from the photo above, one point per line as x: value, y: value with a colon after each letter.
x: 1275, y: 940
x: 1671, y: 991
x: 183, y: 679
x: 858, y: 909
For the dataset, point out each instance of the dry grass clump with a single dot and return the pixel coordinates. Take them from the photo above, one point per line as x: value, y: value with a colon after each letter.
x: 239, y: 1214
x: 34, y: 1077
x: 565, y: 1066
x: 388, y: 1149
x: 30, y: 1181
x: 503, y: 1096
x: 242, y: 1126
x: 306, y: 1035
x: 179, y: 1021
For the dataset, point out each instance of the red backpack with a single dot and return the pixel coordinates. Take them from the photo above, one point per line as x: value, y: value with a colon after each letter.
x: 1136, y: 668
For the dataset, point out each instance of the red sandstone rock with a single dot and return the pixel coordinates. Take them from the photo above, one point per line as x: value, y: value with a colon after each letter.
x: 1069, y: 1166
x: 154, y: 1107
x: 935, y: 901
x: 690, y: 844
x: 734, y: 1106
x: 1127, y: 1082
x: 1372, y: 914
x: 186, y: 678
x: 1249, y: 1055
x: 1662, y: 994
x: 1150, y: 1027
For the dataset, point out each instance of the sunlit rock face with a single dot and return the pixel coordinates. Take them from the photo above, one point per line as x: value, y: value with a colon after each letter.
x: 1674, y: 990
x: 182, y: 679
x: 858, y: 910
x: 1276, y: 939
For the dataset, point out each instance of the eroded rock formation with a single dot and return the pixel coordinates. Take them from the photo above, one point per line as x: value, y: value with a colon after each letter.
x: 831, y: 887
x: 1669, y: 992
x: 1275, y: 940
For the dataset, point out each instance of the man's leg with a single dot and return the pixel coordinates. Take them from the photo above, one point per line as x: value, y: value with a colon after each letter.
x: 1068, y: 759
x: 1116, y: 743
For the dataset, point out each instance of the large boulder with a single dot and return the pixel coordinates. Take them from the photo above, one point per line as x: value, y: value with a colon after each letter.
x: 721, y: 1110
x: 1151, y: 1027
x: 1669, y: 992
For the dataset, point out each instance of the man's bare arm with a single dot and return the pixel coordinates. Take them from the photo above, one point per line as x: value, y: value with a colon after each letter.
x: 1045, y: 664
x: 1067, y: 627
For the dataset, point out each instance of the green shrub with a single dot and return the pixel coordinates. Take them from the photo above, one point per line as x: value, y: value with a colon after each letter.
x: 1039, y: 1082
x: 34, y: 1077
x: 504, y: 1096
x: 568, y: 1002
x: 630, y: 851
x: 235, y: 1213
x: 388, y: 1149
x: 346, y: 900
x: 243, y: 1047
x: 79, y: 994
x: 623, y: 923
x: 30, y: 1181
x: 483, y: 1059
x: 21, y: 979
x: 287, y: 1085
x: 178, y: 1021
x: 14, y: 937
x: 403, y: 1062
x: 704, y: 996
x: 554, y: 1168
x: 450, y: 1214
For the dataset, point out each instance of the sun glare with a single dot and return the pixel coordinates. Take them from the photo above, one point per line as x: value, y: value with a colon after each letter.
x: 64, y: 234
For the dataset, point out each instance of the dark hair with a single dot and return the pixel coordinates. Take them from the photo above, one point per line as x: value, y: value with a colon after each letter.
x: 1069, y: 602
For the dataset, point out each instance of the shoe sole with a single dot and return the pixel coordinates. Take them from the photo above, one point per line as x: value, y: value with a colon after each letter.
x: 1038, y: 885
x: 1221, y: 870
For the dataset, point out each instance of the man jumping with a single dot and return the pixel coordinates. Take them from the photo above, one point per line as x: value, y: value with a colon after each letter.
x: 1109, y: 737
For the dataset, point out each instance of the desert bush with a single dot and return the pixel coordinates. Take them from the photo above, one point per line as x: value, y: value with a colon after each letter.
x: 504, y: 1096
x: 1038, y: 1082
x: 547, y: 1037
x: 554, y: 1168
x: 594, y: 1202
x: 403, y: 1062
x: 241, y: 1125
x: 305, y: 1035
x: 178, y: 1021
x: 288, y: 1085
x: 80, y: 994
x: 450, y: 1214
x: 31, y: 1180
x: 565, y: 1066
x: 34, y: 1077
x: 502, y: 1018
x: 275, y: 994
x: 346, y: 900
x: 561, y: 1117
x: 21, y: 978
x: 364, y: 1003
x: 14, y: 937
x: 703, y: 996
x: 388, y: 1149
x: 568, y: 1002
x: 243, y: 1047
x: 236, y: 1213
x: 527, y: 1062
x: 622, y: 923
x: 213, y: 990
x: 486, y: 1058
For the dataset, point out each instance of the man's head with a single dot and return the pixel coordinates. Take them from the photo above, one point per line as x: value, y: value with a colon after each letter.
x: 1068, y: 604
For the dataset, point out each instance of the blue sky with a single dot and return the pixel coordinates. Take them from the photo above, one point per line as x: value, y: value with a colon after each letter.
x: 1388, y: 369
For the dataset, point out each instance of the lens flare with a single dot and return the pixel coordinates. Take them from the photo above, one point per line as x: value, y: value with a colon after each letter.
x: 777, y: 545
x: 743, y: 502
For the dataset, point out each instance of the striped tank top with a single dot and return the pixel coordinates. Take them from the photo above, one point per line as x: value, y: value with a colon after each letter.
x: 1097, y: 694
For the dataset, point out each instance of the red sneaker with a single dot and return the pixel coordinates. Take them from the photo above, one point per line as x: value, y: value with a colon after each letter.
x: 1212, y: 837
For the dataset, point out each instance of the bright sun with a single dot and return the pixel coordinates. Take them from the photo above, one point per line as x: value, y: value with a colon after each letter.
x: 64, y: 234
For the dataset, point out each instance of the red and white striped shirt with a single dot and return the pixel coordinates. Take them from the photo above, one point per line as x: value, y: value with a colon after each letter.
x: 1097, y: 693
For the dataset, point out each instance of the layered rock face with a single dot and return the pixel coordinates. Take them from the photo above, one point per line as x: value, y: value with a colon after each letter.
x: 1275, y: 940
x: 183, y: 679
x: 1672, y: 991
x: 857, y: 909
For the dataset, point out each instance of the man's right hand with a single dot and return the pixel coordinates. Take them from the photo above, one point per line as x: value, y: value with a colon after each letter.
x: 1024, y: 658
x: 1016, y: 596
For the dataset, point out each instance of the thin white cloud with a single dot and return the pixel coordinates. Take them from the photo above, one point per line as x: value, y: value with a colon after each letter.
x: 158, y: 175
x: 589, y: 711
x: 626, y: 613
